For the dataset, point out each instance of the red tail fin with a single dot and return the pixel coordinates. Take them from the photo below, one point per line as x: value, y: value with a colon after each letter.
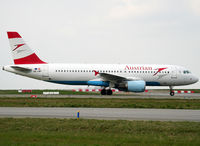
x: 21, y: 52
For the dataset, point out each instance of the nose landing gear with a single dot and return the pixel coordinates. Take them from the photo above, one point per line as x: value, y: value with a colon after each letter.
x: 106, y: 92
x: 171, y: 91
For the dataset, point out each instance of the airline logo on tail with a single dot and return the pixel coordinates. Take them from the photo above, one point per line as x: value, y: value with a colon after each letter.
x: 25, y: 55
x: 17, y: 46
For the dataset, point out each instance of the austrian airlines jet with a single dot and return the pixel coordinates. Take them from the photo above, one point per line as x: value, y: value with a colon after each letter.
x: 125, y: 77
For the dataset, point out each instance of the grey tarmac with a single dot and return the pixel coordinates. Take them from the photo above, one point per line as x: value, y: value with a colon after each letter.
x: 103, y: 113
x: 140, y: 95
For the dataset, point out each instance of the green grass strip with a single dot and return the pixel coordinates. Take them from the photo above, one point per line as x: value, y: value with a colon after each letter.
x: 101, y: 103
x: 29, y: 131
x: 61, y: 92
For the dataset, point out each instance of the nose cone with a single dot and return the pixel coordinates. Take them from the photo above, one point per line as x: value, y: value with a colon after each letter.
x: 195, y: 79
x: 191, y: 79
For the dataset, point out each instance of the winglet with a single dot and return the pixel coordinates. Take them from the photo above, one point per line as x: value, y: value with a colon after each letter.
x: 96, y: 72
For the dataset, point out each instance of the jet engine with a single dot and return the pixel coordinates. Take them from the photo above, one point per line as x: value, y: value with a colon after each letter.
x: 136, y: 86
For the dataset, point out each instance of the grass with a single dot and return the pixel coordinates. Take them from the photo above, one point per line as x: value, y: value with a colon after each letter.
x: 61, y: 92
x: 29, y: 131
x: 101, y: 103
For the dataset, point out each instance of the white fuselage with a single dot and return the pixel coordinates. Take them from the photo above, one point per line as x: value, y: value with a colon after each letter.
x: 125, y: 77
x: 83, y: 74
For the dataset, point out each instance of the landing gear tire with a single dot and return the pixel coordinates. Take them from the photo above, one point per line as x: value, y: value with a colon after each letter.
x: 106, y: 92
x: 172, y: 93
x: 109, y: 92
x: 171, y: 90
x: 103, y: 92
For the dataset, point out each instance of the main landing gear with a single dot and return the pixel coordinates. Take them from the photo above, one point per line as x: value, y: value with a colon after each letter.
x: 171, y: 91
x: 106, y: 92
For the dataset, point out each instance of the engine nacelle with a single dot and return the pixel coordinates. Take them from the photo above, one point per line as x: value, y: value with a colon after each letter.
x: 136, y: 86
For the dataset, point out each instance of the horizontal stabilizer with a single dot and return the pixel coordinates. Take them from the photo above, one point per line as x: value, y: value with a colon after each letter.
x: 21, y: 68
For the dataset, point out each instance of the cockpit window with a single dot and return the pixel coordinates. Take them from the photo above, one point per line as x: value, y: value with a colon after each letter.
x: 186, y: 72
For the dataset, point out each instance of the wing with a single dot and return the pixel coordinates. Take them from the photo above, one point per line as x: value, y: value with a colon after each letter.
x: 112, y: 78
x: 115, y: 78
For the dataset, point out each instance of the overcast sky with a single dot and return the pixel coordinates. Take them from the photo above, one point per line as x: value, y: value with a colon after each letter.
x: 102, y: 31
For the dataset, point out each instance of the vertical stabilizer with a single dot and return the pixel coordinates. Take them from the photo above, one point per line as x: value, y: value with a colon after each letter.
x: 21, y: 52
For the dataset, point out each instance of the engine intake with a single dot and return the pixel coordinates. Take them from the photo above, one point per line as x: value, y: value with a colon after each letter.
x: 136, y: 86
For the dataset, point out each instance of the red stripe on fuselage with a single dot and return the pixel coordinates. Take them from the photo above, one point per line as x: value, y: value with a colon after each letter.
x: 13, y: 35
x: 31, y: 59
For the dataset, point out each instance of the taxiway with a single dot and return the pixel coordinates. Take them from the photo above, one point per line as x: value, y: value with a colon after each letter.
x: 103, y: 113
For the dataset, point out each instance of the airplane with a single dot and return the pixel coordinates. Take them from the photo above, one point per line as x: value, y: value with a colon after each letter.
x: 124, y: 77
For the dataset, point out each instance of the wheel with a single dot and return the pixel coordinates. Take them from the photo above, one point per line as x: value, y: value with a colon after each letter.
x: 172, y: 93
x: 109, y: 92
x: 103, y: 92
